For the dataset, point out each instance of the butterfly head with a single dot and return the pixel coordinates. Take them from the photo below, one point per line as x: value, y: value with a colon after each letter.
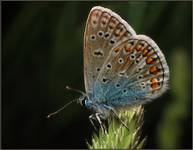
x: 94, y: 107
x: 85, y: 102
x: 82, y: 100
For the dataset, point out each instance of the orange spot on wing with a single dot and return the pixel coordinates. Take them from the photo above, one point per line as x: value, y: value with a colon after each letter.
x: 153, y: 80
x: 127, y: 47
x: 149, y: 60
x: 117, y: 50
x: 154, y: 83
x: 154, y: 70
x: 154, y: 86
x: 147, y: 53
x: 139, y: 48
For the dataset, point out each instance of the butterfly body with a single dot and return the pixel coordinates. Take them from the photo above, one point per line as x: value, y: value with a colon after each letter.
x: 121, y: 69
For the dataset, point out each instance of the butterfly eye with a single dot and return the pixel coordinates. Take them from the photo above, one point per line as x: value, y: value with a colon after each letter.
x: 82, y: 100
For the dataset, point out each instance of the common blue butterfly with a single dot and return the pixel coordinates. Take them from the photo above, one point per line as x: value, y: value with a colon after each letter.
x: 121, y: 69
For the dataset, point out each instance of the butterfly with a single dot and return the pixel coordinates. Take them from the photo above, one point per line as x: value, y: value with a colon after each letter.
x: 121, y: 69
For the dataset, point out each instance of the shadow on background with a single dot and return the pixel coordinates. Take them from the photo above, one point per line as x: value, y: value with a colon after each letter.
x: 42, y: 44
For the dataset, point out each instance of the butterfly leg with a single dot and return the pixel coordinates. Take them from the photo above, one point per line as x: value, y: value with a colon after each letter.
x: 120, y: 119
x: 117, y: 116
x: 96, y: 117
x: 100, y: 122
x: 91, y: 117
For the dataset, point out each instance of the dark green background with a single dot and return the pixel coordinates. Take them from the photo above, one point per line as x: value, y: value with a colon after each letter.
x: 42, y: 44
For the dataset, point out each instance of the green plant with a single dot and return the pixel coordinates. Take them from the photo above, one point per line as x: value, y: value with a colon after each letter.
x: 119, y: 136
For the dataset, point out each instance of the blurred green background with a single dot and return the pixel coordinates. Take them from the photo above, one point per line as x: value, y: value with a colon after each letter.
x: 42, y: 46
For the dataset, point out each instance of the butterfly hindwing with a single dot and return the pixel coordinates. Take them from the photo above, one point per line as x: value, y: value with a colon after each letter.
x: 104, y: 30
x: 134, y: 72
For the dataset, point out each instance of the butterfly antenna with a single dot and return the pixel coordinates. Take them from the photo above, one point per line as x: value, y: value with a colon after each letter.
x: 54, y: 113
x: 69, y: 88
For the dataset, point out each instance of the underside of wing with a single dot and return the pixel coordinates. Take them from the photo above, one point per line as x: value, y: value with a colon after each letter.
x: 104, y: 30
x: 135, y: 72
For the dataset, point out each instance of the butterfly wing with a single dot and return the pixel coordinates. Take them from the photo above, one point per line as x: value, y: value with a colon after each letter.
x: 104, y: 30
x: 135, y: 72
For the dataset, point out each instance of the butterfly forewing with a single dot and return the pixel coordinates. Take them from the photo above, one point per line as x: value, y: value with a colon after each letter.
x: 104, y: 30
